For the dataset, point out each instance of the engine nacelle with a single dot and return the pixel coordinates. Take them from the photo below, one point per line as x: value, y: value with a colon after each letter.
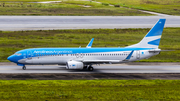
x: 74, y: 65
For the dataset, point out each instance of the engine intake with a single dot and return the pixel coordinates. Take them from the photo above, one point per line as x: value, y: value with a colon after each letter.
x: 74, y: 65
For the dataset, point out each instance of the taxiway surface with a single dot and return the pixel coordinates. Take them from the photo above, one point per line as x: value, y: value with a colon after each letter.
x: 120, y: 68
x: 15, y: 23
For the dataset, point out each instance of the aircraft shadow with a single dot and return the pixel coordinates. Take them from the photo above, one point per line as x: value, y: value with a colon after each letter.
x: 86, y: 70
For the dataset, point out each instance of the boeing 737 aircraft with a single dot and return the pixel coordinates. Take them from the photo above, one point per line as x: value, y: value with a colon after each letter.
x: 82, y: 58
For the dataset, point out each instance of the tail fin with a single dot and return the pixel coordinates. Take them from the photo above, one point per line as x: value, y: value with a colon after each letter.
x: 153, y: 37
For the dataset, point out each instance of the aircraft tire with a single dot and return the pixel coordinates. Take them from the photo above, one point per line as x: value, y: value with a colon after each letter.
x: 24, y: 67
x: 90, y: 68
x: 85, y: 67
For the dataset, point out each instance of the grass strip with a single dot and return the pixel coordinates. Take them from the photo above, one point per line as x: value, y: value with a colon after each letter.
x: 171, y: 7
x: 27, y: 0
x: 106, y: 90
x: 65, y: 9
x: 12, y: 41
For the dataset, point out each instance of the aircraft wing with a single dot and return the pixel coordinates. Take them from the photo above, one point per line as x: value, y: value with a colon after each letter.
x: 90, y: 43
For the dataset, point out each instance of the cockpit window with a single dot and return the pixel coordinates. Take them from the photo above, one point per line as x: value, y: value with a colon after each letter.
x: 18, y: 54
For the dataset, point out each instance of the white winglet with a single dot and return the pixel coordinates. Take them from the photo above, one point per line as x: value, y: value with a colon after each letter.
x: 90, y: 43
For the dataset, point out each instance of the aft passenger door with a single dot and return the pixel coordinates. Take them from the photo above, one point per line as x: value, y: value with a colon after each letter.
x: 138, y: 54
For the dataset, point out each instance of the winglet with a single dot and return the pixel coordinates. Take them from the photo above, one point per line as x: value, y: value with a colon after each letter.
x: 129, y: 56
x: 90, y: 43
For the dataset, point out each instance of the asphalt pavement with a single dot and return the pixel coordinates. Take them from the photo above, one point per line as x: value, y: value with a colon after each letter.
x: 119, y: 68
x: 16, y: 23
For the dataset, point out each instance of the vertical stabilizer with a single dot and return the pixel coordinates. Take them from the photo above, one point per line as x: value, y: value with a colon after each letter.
x: 153, y: 37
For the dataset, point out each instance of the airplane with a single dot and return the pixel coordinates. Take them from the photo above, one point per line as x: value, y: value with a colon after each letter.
x: 84, y: 58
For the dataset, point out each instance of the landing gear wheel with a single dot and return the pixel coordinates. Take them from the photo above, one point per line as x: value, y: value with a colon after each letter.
x: 90, y: 68
x: 85, y: 67
x: 24, y: 67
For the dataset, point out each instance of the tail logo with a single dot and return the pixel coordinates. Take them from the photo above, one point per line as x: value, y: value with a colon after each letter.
x: 155, y: 42
x: 153, y: 37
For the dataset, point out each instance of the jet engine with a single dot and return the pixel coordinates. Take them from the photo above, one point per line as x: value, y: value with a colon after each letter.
x: 74, y: 65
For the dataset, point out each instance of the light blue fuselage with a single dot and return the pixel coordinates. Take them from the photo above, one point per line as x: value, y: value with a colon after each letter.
x: 62, y: 55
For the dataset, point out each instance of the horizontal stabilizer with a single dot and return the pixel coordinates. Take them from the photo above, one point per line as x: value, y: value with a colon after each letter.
x: 166, y: 50
x: 159, y: 50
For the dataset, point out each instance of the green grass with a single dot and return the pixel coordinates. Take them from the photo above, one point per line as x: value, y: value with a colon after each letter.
x: 86, y: 90
x: 26, y: 0
x: 10, y: 41
x: 171, y: 7
x: 66, y: 8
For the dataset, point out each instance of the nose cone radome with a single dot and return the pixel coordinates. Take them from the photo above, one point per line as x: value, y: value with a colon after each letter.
x: 11, y: 58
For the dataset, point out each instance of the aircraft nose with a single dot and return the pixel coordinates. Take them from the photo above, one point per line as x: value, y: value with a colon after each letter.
x: 10, y: 58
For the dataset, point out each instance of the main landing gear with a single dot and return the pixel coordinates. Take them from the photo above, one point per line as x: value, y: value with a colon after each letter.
x: 90, y: 68
x: 24, y: 67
